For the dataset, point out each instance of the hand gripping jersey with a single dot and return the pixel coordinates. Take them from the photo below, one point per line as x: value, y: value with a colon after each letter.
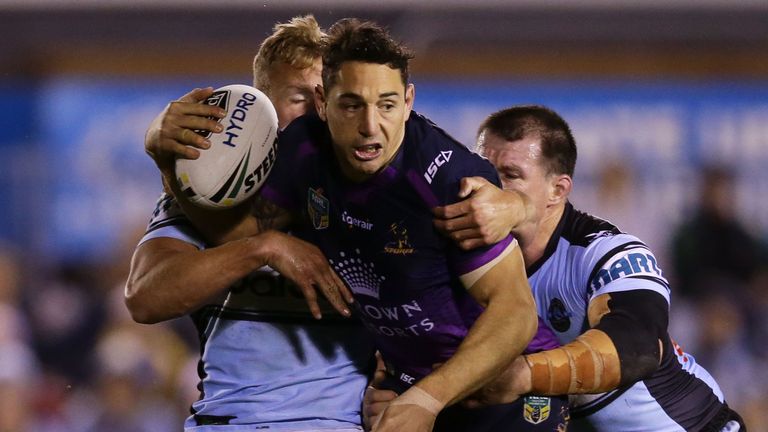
x: 265, y: 363
x: 380, y: 239
x: 587, y: 257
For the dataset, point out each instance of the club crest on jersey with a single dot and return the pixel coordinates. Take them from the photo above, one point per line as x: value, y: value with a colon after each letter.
x: 559, y: 318
x: 536, y: 409
x: 398, y: 243
x: 318, y: 208
x: 219, y: 99
x: 439, y: 160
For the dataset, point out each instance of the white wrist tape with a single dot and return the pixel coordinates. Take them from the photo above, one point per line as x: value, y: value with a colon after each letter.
x: 417, y: 396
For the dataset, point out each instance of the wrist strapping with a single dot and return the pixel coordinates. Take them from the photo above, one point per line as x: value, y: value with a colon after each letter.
x: 417, y: 396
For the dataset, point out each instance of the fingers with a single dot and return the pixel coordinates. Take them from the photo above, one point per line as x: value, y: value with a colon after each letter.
x: 472, y: 243
x: 456, y: 224
x: 375, y: 402
x: 378, y: 377
x: 334, y: 297
x: 377, y: 396
x: 452, y: 211
x: 311, y: 297
x: 197, y: 95
x: 181, y: 150
x: 471, y: 184
x: 345, y: 292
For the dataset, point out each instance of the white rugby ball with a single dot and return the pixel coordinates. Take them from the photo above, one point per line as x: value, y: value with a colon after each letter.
x: 239, y: 159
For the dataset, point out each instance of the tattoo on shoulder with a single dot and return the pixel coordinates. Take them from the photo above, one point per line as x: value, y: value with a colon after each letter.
x: 268, y: 214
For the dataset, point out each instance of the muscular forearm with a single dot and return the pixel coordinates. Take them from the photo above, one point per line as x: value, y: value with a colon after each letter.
x: 589, y: 364
x: 166, y: 283
x: 499, y: 335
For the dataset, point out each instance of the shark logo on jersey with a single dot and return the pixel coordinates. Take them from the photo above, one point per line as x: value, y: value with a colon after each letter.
x: 398, y: 245
x: 634, y: 262
x: 559, y: 318
x: 318, y: 208
x: 359, y: 276
x: 536, y: 409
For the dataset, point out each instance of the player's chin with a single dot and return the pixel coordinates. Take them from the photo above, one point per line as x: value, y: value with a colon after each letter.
x: 365, y: 168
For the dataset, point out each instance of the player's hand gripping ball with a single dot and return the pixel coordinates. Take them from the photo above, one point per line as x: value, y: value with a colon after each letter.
x: 239, y: 158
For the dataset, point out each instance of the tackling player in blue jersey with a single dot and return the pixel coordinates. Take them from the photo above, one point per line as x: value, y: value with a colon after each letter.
x: 601, y: 291
x: 265, y: 364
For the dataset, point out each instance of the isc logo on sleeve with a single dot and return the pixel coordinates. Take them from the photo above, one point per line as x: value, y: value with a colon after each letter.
x: 439, y: 160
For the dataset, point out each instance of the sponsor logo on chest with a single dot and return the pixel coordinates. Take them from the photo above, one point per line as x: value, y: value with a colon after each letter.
x: 354, y: 222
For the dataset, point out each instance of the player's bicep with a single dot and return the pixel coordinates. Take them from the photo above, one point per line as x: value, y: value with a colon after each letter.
x: 147, y: 256
x: 503, y: 275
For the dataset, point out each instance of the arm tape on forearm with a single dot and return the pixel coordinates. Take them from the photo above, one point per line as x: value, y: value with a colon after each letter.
x: 417, y: 396
x: 589, y: 364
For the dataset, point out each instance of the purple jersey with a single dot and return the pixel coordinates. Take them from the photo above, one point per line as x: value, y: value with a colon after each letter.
x: 379, y: 237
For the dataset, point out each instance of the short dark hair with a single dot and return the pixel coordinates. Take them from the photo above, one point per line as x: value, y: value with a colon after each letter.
x: 557, y: 144
x: 351, y: 39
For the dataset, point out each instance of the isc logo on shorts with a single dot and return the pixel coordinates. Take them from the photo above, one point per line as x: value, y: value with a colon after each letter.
x: 536, y: 409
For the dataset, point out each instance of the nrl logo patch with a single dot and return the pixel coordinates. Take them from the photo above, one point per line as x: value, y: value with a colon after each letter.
x: 318, y: 208
x: 219, y: 99
x: 536, y: 409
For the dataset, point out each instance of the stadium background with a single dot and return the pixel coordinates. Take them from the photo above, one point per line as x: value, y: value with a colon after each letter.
x: 655, y: 91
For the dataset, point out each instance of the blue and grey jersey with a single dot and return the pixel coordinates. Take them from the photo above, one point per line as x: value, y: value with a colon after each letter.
x: 379, y: 235
x: 587, y: 257
x: 265, y: 363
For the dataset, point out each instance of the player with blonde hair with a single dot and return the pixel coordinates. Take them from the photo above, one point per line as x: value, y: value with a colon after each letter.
x: 265, y: 362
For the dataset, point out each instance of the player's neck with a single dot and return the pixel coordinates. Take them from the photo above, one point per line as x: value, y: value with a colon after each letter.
x: 534, y: 240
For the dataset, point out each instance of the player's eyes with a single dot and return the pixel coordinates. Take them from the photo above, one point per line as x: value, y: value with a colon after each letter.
x: 350, y: 106
x: 511, y: 176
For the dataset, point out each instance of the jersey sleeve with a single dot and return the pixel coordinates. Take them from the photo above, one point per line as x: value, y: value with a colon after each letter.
x: 617, y: 263
x: 441, y: 163
x: 168, y: 220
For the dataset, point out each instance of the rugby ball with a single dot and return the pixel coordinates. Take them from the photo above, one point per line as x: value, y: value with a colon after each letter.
x: 239, y: 159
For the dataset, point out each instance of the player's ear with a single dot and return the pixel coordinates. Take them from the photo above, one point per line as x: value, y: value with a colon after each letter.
x: 410, y: 95
x: 561, y: 186
x: 320, y: 102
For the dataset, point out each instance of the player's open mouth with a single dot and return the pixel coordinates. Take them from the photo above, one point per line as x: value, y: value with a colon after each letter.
x: 368, y: 152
